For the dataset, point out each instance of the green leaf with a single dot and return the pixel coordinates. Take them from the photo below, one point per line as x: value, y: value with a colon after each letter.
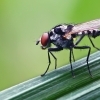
x: 59, y: 84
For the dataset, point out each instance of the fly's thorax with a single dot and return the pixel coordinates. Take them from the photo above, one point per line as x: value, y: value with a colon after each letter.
x: 54, y: 37
x: 64, y: 43
x: 61, y: 29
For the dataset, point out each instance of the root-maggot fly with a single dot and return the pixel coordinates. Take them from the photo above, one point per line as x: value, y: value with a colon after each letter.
x: 62, y: 37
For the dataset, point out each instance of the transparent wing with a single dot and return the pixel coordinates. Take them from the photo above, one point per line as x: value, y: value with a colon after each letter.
x: 94, y: 24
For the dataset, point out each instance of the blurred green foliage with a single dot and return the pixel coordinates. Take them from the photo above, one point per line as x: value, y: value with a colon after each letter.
x: 22, y: 22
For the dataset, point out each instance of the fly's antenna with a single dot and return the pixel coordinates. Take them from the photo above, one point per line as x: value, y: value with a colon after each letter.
x: 37, y: 42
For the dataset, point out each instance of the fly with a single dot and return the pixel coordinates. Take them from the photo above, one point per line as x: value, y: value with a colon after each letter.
x: 62, y: 36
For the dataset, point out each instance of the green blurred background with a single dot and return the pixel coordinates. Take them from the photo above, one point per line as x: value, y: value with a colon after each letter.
x: 22, y: 22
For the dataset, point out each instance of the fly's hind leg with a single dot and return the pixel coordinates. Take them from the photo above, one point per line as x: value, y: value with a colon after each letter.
x: 85, y: 47
x: 93, y: 43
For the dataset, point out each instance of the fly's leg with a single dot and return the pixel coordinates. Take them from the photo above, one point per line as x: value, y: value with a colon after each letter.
x: 78, y: 41
x: 55, y: 59
x: 85, y: 47
x: 92, y: 43
x: 71, y: 62
x: 73, y: 55
x: 50, y: 50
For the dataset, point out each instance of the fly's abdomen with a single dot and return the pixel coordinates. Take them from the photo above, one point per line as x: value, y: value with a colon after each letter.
x: 94, y: 33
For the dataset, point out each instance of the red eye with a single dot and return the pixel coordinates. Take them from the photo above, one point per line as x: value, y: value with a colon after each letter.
x: 44, y: 39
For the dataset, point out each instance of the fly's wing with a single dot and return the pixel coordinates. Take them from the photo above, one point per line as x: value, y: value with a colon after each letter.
x: 94, y: 24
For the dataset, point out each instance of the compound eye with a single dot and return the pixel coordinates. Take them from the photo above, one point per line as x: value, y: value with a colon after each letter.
x: 44, y: 39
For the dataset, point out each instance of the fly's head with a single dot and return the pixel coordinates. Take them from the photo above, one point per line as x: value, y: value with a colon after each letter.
x: 45, y: 41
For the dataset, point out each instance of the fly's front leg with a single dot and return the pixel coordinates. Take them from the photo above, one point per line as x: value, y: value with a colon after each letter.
x: 55, y: 59
x: 48, y: 64
x: 50, y: 50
